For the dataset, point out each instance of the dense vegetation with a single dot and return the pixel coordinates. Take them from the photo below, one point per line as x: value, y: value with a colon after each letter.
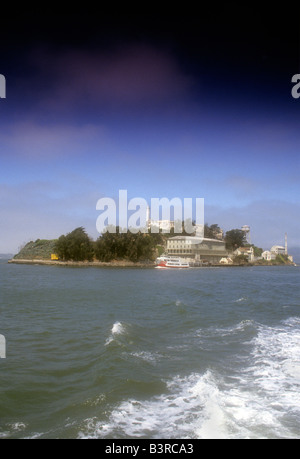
x: 234, y: 239
x: 212, y: 231
x: 128, y: 246
x: 77, y: 246
x: 40, y: 249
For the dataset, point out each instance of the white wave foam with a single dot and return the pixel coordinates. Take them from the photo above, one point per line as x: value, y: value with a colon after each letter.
x: 191, y: 409
x: 276, y: 357
x: 12, y: 429
x: 227, y: 331
x: 117, y: 329
x: 261, y: 401
x: 18, y: 426
x: 149, y: 357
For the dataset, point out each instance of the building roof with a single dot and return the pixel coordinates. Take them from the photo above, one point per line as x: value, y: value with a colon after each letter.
x: 195, y: 238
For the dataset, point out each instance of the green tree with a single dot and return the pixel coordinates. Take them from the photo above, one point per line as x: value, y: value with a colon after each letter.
x: 75, y: 246
x: 61, y: 248
x: 234, y: 239
x: 105, y: 247
x: 212, y: 231
x: 130, y: 246
x: 241, y: 259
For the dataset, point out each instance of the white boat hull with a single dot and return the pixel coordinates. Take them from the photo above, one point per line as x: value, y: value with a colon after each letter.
x: 171, y: 263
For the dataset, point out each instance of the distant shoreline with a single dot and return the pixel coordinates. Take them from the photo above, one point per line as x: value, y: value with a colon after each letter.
x: 122, y: 264
x: 116, y: 263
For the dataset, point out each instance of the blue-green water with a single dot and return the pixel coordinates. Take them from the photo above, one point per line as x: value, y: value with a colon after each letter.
x: 145, y: 353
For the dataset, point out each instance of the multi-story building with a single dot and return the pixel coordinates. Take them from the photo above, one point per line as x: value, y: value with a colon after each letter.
x: 278, y: 250
x: 247, y: 251
x: 196, y: 249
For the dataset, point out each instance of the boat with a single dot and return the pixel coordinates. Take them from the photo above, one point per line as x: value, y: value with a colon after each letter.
x: 171, y: 262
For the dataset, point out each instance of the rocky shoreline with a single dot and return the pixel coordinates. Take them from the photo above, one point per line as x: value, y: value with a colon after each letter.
x: 115, y: 263
x: 122, y: 263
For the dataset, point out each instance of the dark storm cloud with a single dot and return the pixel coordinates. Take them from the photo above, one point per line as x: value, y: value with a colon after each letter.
x: 130, y: 75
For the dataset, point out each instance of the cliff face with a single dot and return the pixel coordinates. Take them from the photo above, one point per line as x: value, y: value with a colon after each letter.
x: 41, y: 249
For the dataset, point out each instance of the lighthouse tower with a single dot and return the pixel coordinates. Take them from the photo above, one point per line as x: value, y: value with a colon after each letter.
x: 148, y: 221
x: 285, y: 246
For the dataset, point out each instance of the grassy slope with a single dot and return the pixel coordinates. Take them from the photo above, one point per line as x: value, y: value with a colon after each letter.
x: 41, y: 249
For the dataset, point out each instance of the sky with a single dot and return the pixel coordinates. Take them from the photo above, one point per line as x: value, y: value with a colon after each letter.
x: 184, y: 104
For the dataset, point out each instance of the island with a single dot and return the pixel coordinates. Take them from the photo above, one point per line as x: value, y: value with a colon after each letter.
x: 141, y: 249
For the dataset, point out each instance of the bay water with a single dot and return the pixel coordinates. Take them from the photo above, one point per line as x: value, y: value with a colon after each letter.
x: 145, y: 353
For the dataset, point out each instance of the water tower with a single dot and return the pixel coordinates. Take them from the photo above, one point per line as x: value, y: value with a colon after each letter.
x: 246, y: 230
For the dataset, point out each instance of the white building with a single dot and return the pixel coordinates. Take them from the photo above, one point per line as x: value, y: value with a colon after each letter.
x: 196, y: 249
x: 278, y: 250
x: 247, y: 251
x: 226, y: 261
x: 164, y: 225
x: 268, y: 255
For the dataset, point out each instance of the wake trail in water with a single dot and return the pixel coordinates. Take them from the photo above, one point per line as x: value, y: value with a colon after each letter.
x: 262, y: 401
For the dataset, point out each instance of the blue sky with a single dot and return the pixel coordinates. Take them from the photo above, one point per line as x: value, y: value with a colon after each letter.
x: 156, y: 116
